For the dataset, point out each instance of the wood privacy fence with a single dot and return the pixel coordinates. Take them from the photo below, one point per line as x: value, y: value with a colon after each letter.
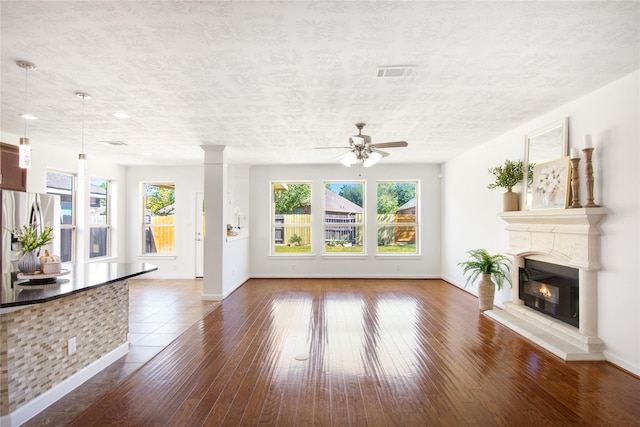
x: 161, y: 238
x: 289, y: 228
x: 339, y: 229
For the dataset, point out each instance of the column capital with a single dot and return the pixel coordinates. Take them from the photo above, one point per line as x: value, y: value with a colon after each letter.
x: 214, y: 153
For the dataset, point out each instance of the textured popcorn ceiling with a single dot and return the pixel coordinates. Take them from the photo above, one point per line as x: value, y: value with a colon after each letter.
x: 273, y: 80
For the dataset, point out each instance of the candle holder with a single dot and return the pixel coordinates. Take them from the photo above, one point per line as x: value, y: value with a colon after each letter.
x: 575, y: 183
x: 588, y: 153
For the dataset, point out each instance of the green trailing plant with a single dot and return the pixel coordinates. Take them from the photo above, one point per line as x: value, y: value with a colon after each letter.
x: 507, y: 175
x: 481, y: 262
x: 30, y: 239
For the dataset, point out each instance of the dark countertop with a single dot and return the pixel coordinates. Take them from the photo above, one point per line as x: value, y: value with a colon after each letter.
x: 81, y: 277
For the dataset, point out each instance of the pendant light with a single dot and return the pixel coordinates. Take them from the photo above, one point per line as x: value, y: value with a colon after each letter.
x: 82, y: 158
x: 24, y: 149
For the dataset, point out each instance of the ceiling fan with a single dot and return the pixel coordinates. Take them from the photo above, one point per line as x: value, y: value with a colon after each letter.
x: 362, y: 150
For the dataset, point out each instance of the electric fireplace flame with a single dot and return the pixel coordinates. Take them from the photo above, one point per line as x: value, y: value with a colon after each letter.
x: 544, y: 291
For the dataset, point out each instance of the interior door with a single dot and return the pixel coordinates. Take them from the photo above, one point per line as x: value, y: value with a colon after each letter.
x: 199, y: 234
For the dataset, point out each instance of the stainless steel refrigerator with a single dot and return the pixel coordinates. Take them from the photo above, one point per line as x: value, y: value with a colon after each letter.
x: 19, y: 209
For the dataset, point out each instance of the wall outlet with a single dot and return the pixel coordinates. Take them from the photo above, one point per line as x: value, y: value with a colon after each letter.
x: 71, y: 346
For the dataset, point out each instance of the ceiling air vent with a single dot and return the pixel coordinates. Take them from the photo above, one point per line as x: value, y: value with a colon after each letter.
x: 395, y: 71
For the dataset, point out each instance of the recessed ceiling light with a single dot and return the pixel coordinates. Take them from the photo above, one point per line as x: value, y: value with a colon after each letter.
x: 121, y: 115
x: 28, y: 116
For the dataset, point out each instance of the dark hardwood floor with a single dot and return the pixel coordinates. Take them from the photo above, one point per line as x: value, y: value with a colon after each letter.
x: 361, y: 352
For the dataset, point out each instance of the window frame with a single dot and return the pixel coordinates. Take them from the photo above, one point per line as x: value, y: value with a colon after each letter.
x: 415, y: 223
x: 362, y: 225
x: 107, y: 226
x: 72, y: 227
x: 145, y: 224
x: 274, y: 224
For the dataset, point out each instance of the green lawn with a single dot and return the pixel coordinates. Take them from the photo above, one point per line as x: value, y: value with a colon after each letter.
x: 284, y: 249
x: 343, y: 249
x: 397, y: 249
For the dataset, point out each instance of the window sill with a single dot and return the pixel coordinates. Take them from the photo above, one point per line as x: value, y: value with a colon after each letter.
x: 159, y: 256
x: 345, y: 256
x: 103, y: 259
x: 398, y: 255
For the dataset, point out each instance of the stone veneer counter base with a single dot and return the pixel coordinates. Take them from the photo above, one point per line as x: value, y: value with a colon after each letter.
x: 35, y: 356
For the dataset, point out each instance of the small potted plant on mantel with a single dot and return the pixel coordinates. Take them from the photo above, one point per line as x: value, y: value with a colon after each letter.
x: 507, y: 176
x: 494, y: 269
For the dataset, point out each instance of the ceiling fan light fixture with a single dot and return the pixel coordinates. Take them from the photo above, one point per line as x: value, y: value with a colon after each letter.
x: 349, y: 159
x: 372, y: 159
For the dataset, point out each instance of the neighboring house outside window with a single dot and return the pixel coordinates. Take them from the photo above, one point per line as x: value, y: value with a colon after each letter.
x: 397, y: 219
x: 158, y: 229
x: 99, y: 218
x: 62, y: 184
x: 291, y: 218
x: 343, y: 217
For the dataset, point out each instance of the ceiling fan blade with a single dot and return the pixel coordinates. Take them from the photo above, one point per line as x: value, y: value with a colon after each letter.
x: 382, y: 153
x: 391, y: 144
x: 332, y: 148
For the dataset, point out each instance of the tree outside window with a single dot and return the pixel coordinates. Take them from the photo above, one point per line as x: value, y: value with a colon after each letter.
x: 159, y: 218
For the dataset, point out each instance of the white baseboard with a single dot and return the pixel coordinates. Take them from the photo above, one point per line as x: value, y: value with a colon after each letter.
x: 32, y: 408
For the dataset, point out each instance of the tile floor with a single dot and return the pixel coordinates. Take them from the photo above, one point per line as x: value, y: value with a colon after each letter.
x: 159, y: 311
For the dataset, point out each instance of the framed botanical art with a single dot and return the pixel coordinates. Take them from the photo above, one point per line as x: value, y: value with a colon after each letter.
x: 550, y: 189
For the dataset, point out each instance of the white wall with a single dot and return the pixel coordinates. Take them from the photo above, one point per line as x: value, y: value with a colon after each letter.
x: 237, y: 249
x: 612, y: 115
x: 423, y: 266
x: 189, y: 181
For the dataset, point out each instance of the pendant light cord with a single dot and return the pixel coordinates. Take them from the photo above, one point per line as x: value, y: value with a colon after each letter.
x: 26, y: 79
x: 82, y: 148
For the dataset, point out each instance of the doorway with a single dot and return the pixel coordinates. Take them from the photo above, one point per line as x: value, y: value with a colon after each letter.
x: 199, y: 235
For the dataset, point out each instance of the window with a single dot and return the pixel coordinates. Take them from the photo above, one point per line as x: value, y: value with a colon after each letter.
x: 343, y: 217
x: 99, y: 218
x: 62, y: 184
x: 159, y: 219
x: 397, y: 216
x: 291, y: 218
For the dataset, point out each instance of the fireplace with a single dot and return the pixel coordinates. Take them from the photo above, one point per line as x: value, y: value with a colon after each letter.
x: 551, y: 289
x: 559, y: 248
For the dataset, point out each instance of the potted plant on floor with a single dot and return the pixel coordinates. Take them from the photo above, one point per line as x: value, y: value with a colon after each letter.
x: 494, y: 269
x: 507, y: 176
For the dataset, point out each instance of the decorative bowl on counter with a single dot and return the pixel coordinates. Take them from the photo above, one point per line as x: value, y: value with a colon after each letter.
x: 50, y: 267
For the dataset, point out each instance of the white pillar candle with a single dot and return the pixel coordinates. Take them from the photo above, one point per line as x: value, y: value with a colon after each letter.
x: 587, y: 141
x: 575, y: 153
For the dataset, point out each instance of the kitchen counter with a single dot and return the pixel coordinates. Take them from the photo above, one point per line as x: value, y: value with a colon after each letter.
x: 58, y: 335
x: 16, y: 292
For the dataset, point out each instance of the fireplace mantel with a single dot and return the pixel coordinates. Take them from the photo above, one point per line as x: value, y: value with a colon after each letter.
x: 569, y: 237
x: 562, y: 236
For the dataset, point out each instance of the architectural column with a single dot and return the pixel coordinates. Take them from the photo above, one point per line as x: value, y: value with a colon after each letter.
x: 588, y: 302
x: 215, y: 189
